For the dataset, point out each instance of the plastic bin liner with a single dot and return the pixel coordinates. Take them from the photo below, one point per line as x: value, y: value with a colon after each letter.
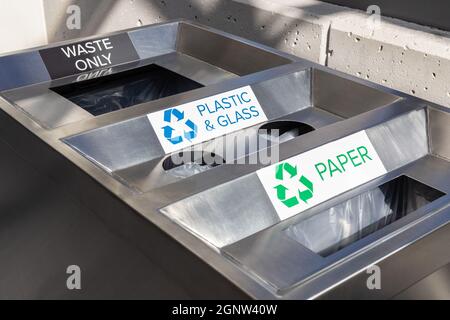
x: 188, y: 163
x: 283, y: 130
x: 188, y: 169
x: 284, y: 137
x: 339, y: 226
x: 125, y: 89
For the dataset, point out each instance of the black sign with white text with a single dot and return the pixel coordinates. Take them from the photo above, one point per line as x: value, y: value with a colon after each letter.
x: 88, y: 55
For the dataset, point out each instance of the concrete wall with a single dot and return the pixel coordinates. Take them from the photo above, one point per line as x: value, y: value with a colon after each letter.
x: 22, y: 25
x: 397, y: 54
x: 278, y: 29
x: 432, y: 13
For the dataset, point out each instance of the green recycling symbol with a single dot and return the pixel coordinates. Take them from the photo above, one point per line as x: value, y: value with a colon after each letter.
x: 287, y: 171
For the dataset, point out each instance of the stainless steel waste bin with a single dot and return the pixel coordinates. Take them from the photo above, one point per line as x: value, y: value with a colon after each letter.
x: 361, y: 174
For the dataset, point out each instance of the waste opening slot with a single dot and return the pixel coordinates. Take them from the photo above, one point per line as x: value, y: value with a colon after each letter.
x: 185, y: 164
x: 336, y: 228
x: 283, y: 130
x: 126, y: 89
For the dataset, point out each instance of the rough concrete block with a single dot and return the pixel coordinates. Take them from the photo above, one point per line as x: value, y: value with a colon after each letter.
x: 393, y: 53
x: 290, y: 29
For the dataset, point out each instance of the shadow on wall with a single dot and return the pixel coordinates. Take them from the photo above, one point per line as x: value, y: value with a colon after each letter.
x: 417, y: 11
x: 271, y: 29
x: 286, y: 33
x: 275, y: 30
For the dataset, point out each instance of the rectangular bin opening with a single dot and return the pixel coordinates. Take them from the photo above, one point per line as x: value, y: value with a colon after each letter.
x: 332, y: 230
x: 126, y: 89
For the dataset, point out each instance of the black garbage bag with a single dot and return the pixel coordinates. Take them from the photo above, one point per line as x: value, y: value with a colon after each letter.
x: 126, y: 89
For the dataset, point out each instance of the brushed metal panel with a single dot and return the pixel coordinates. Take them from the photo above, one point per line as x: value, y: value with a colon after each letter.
x: 226, y: 53
x: 47, y: 107
x: 344, y: 97
x: 401, y: 140
x: 285, y: 94
x: 436, y: 286
x: 122, y: 145
x: 439, y: 126
x: 155, y: 40
x: 276, y: 259
x: 194, y: 69
x: 227, y: 213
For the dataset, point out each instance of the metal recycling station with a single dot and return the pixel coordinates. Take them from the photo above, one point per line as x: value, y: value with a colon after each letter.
x: 126, y: 122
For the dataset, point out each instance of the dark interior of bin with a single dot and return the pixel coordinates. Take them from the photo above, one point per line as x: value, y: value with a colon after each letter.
x: 402, y: 196
x: 192, y: 157
x: 278, y: 129
x: 125, y: 89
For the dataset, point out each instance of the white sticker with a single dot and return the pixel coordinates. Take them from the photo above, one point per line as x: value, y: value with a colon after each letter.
x: 318, y: 175
x: 195, y: 122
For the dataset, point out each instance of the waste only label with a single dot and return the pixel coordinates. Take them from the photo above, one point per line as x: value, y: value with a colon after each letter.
x: 184, y: 125
x: 79, y: 57
x: 313, y: 177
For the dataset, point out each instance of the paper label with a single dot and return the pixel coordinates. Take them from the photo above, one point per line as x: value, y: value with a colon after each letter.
x: 181, y: 126
x: 318, y: 175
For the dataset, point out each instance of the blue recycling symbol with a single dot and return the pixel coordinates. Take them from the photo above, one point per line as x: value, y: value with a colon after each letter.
x: 176, y: 116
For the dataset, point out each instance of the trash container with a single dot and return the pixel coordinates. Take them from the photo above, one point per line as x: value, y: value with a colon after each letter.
x: 328, y: 174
